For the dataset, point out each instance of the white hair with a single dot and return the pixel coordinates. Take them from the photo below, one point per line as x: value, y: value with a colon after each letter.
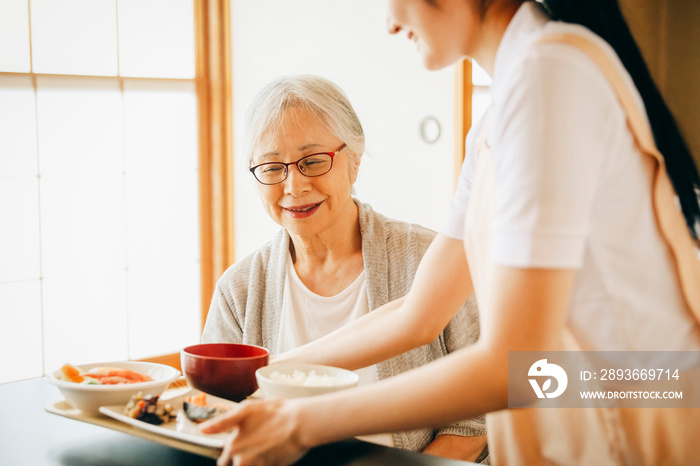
x: 314, y: 94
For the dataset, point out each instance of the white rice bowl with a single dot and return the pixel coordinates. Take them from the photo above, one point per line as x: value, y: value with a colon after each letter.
x: 88, y: 398
x: 295, y: 380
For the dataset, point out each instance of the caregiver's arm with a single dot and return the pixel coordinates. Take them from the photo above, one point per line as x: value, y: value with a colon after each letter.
x: 441, y: 285
x: 523, y: 310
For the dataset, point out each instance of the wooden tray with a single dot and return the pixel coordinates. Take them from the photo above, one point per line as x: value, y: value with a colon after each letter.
x: 61, y: 408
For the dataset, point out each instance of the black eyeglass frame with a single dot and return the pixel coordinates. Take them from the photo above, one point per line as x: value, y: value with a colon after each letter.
x: 286, y: 166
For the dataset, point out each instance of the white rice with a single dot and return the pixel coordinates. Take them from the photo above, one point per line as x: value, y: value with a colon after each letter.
x: 312, y: 379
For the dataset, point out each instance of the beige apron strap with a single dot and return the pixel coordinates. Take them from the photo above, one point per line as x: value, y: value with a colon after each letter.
x: 669, y: 217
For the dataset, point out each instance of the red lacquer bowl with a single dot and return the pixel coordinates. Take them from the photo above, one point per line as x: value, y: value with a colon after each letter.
x: 226, y: 370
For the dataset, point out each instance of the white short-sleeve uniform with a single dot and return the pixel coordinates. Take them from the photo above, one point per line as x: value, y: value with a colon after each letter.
x: 572, y: 193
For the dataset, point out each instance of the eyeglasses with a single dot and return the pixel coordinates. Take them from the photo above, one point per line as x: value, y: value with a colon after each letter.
x: 311, y: 165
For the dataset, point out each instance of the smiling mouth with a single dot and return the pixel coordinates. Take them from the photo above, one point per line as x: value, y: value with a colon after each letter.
x: 305, y: 208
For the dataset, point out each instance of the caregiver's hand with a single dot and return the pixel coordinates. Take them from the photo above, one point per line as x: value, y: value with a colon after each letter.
x: 264, y: 433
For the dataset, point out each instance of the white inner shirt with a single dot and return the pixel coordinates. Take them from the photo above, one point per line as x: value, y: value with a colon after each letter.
x: 307, y: 316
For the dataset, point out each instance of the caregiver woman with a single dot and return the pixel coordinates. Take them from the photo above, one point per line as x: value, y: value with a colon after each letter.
x: 557, y: 229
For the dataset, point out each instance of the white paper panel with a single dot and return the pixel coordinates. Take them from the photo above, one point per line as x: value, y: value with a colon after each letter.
x: 19, y: 229
x: 160, y: 126
x: 156, y: 38
x: 18, y: 155
x: 82, y: 224
x: 82, y: 181
x: 162, y: 227
x: 161, y: 176
x: 20, y: 332
x: 80, y: 127
x: 164, y: 305
x: 14, y: 36
x: 85, y: 319
x: 74, y: 37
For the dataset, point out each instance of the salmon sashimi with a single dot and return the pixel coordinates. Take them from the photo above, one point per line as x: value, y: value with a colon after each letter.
x: 113, y: 375
x: 102, y: 375
x: 112, y: 380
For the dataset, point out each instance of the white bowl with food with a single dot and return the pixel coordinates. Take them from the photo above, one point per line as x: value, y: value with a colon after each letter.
x: 296, y: 380
x: 89, y: 386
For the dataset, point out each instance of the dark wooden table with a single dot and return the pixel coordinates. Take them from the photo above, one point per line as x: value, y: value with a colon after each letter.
x: 31, y: 436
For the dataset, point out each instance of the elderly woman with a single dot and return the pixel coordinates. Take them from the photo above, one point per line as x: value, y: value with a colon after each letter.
x: 334, y: 259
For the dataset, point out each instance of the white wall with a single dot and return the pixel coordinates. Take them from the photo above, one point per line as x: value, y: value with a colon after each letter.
x: 346, y: 41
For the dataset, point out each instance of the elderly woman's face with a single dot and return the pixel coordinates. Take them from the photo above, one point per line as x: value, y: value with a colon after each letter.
x: 305, y: 205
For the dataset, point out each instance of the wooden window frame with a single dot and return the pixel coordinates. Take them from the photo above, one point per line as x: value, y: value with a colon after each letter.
x: 463, y: 111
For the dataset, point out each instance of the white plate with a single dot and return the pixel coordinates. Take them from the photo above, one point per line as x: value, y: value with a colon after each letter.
x: 181, y: 428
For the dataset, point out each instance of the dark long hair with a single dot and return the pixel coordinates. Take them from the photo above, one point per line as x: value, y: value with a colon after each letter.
x: 604, y: 18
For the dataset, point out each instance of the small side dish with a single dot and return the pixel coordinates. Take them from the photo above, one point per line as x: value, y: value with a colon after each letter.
x: 198, y: 410
x: 180, y: 428
x: 149, y: 409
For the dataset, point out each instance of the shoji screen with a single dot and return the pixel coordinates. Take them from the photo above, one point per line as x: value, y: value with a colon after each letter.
x: 99, y: 216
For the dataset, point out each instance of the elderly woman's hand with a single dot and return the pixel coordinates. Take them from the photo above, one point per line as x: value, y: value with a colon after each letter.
x: 264, y: 433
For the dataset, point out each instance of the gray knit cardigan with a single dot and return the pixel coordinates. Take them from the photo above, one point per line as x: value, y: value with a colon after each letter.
x: 247, y: 303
